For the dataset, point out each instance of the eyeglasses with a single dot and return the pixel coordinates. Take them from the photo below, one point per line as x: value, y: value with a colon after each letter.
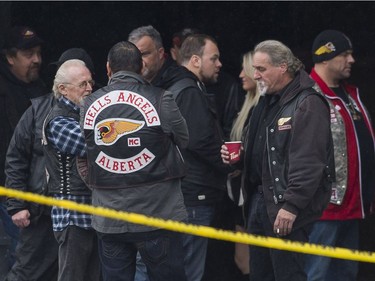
x: 83, y: 85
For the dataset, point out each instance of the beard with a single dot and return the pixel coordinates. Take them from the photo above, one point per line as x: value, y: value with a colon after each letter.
x: 262, y: 88
x: 145, y: 73
x: 32, y: 73
x: 208, y: 80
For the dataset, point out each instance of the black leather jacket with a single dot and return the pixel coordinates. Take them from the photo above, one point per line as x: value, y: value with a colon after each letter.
x: 15, y: 96
x: 25, y: 162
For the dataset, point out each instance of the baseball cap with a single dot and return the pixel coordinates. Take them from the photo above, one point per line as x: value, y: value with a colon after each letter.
x: 21, y: 37
x: 76, y: 53
x: 329, y: 44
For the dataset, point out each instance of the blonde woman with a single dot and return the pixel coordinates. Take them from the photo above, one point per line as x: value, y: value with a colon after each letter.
x: 251, y: 98
x: 241, y: 255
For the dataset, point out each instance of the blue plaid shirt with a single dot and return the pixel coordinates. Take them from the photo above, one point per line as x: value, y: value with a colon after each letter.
x: 66, y: 136
x: 65, y: 133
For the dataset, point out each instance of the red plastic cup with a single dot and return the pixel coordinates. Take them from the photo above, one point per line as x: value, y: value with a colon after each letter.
x: 234, y: 148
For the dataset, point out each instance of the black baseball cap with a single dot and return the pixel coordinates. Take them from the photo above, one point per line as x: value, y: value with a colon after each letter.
x: 21, y: 37
x: 76, y: 53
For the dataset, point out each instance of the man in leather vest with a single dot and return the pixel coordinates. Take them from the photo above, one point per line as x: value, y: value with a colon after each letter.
x: 133, y: 133
x: 287, y: 160
x: 64, y: 145
x: 353, y: 139
x: 25, y: 171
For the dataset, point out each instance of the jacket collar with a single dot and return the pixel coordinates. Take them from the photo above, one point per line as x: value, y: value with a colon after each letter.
x: 302, y: 81
x: 126, y: 76
x: 324, y: 87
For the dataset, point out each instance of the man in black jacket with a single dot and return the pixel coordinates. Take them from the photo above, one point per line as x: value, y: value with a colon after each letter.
x: 132, y: 148
x: 288, y: 160
x: 19, y: 82
x: 203, y: 187
x: 25, y: 171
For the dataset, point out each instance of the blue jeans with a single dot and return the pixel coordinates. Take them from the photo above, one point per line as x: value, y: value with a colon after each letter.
x: 195, y: 247
x: 268, y: 264
x: 344, y: 234
x: 141, y: 269
x: 161, y: 251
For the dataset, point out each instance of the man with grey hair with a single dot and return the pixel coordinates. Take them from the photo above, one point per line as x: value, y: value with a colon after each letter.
x: 287, y: 160
x: 64, y: 145
x: 155, y: 60
x: 25, y: 171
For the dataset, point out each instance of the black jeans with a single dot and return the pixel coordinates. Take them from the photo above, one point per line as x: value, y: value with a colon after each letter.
x: 78, y: 254
x: 36, y: 252
x: 161, y: 251
x: 268, y: 264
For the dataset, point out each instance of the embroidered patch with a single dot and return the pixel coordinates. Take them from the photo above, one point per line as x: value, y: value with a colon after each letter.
x: 334, y: 194
x: 325, y: 49
x: 201, y: 197
x: 134, y: 142
x: 111, y: 130
x: 282, y: 123
x: 333, y: 120
x: 333, y: 116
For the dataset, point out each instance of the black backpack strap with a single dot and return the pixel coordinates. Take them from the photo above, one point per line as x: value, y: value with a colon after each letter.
x: 181, y: 85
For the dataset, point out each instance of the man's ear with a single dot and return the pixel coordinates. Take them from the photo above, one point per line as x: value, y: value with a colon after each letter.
x: 196, y: 61
x: 62, y: 89
x: 173, y: 52
x: 284, y: 67
x: 10, y: 59
x: 161, y: 53
x: 109, y: 70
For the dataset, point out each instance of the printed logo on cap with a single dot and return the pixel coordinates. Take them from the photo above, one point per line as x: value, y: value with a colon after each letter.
x: 326, y: 49
x: 28, y: 33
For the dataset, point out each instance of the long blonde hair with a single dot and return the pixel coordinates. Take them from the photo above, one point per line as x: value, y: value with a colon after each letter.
x: 251, y: 99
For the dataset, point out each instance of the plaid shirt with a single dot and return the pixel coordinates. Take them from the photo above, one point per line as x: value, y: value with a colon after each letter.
x: 65, y: 134
x: 62, y: 218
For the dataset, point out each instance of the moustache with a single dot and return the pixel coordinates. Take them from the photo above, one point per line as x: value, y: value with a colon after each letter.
x: 35, y: 66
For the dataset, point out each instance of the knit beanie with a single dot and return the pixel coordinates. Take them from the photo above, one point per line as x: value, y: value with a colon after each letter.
x: 329, y: 44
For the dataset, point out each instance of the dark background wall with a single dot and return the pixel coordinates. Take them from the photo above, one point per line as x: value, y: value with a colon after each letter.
x: 237, y: 25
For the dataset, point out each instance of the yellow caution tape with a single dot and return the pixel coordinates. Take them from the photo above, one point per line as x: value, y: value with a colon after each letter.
x: 205, y: 231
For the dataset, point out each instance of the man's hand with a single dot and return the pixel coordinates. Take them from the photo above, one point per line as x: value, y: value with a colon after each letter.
x: 225, y: 154
x: 284, y: 222
x: 22, y: 218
